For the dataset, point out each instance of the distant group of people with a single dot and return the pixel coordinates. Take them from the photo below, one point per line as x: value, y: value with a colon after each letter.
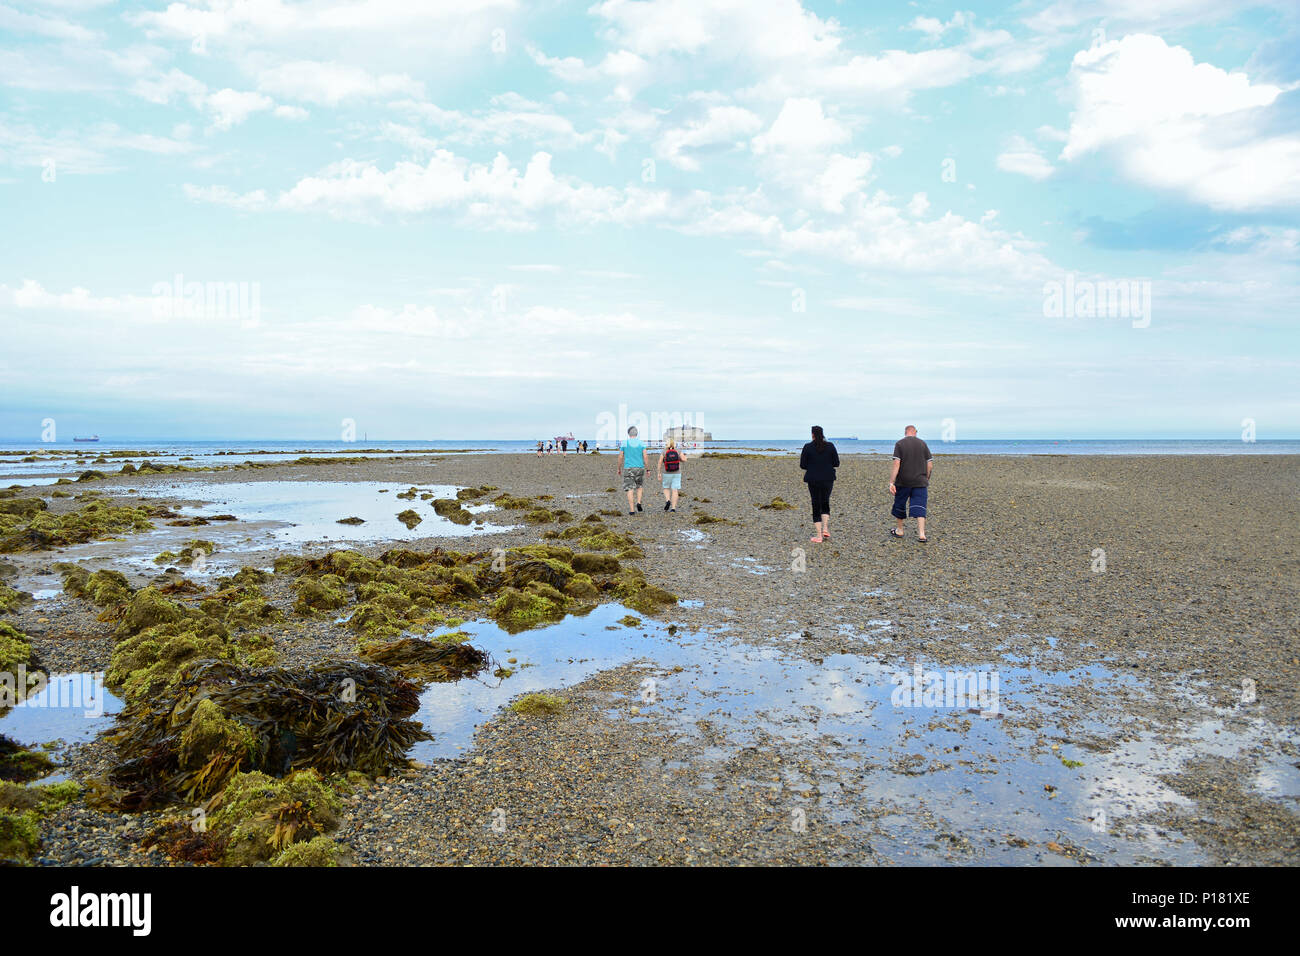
x: 560, y: 445
x: 909, y: 478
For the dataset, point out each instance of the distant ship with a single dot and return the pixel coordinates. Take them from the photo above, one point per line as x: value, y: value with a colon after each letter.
x: 91, y: 438
x: 846, y: 438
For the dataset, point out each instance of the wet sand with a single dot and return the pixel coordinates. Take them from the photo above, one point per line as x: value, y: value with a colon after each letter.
x: 776, y: 741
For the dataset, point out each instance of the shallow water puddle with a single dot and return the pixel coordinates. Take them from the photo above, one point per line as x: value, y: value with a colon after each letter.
x: 272, y: 514
x: 309, y: 511
x: 71, y: 709
x: 873, y: 741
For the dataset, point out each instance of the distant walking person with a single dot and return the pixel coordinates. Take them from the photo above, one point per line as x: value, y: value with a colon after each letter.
x: 631, y: 465
x: 819, y: 461
x: 564, y: 446
x: 670, y: 474
x: 909, y: 481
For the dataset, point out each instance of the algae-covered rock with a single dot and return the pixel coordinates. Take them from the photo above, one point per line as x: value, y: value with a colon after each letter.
x: 22, y: 507
x: 321, y: 851
x: 15, y: 652
x: 352, y: 520
x: 21, y: 808
x: 516, y: 610
x: 512, y: 503
x: 582, y: 588
x: 631, y: 588
x: 103, y: 588
x: 148, y: 608
x: 409, y: 518
x: 146, y: 663
x: 452, y: 510
x: 315, y: 594
x: 260, y: 816
x: 539, y: 705
x: 592, y: 563
x: 20, y: 837
x: 11, y: 599
x: 18, y: 763
x: 94, y: 520
x: 539, y: 516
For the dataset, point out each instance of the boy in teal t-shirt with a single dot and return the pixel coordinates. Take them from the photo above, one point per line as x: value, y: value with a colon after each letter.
x: 631, y: 465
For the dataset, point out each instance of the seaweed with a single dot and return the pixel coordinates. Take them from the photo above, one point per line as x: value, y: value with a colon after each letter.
x: 426, y: 661
x: 332, y: 717
x: 539, y: 705
x: 94, y: 520
x: 409, y: 518
x: 452, y: 510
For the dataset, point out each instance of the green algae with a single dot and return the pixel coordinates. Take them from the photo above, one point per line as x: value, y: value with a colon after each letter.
x: 11, y: 599
x: 409, y: 518
x: 516, y: 610
x: 21, y: 809
x: 317, y: 852
x: 103, y: 588
x: 15, y: 652
x: 188, y: 554
x: 319, y: 594
x: 539, y: 705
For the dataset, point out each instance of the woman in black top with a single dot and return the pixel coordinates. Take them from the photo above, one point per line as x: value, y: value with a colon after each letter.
x: 819, y: 461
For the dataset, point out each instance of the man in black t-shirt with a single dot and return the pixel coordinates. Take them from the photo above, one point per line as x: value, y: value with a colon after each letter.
x: 909, y: 481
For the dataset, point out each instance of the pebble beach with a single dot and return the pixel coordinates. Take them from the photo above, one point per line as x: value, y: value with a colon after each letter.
x: 1138, y: 614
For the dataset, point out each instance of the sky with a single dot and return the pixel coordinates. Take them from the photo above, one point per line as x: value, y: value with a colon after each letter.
x: 491, y: 219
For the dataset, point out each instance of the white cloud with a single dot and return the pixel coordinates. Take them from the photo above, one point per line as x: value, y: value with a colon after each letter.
x: 494, y: 195
x: 627, y: 71
x: 1171, y: 123
x: 232, y: 107
x: 1025, y: 159
x: 801, y: 126
x: 330, y: 84
x: 720, y: 126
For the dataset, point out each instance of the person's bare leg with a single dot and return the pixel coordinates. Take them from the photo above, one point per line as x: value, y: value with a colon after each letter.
x: 920, y: 527
x: 675, y: 494
x: 640, y: 494
x: 629, y: 499
x: 826, y: 525
x: 900, y: 525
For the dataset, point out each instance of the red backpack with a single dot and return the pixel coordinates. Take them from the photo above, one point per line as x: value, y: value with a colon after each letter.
x: 672, y: 460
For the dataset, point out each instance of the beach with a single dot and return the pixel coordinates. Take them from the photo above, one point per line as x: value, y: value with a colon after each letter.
x: 1135, y: 616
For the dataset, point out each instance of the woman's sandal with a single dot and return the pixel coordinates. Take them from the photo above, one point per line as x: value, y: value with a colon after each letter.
x: 893, y: 533
x: 816, y: 539
x: 922, y: 540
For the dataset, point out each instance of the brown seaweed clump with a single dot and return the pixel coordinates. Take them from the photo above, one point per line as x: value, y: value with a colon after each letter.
x: 427, y: 661
x: 218, y: 719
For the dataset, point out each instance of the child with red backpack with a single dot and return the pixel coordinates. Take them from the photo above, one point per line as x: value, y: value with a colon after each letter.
x: 670, y: 474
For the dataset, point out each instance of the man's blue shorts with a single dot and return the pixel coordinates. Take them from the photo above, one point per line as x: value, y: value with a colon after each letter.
x: 917, y: 497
